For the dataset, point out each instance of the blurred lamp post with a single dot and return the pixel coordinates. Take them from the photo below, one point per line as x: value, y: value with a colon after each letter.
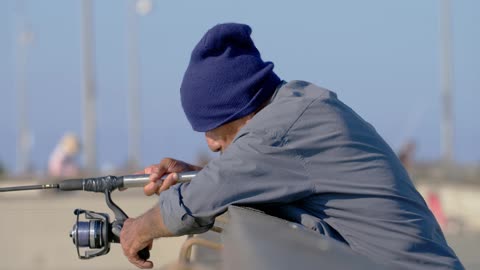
x: 89, y: 102
x: 447, y: 78
x: 24, y: 39
x: 141, y: 7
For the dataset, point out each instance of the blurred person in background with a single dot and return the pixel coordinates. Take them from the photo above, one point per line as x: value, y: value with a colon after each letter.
x: 407, y: 155
x: 293, y: 150
x: 62, y: 162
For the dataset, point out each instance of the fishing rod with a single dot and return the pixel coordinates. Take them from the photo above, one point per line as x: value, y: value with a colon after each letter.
x: 100, y: 184
x: 96, y: 231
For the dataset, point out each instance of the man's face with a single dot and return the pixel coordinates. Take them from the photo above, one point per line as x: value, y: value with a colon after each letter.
x: 220, y: 138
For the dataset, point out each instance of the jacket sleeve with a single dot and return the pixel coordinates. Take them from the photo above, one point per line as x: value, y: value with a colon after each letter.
x: 257, y: 168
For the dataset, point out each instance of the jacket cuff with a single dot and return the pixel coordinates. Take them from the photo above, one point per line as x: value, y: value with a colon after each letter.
x: 177, y: 217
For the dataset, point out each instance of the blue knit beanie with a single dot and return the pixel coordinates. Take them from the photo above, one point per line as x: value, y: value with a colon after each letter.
x: 226, y: 78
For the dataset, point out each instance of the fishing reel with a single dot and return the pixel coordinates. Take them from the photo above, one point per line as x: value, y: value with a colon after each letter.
x: 94, y: 233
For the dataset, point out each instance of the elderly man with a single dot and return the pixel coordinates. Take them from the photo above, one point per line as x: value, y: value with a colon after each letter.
x: 295, y: 151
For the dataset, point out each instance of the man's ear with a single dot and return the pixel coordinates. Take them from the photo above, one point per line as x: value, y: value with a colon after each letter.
x: 249, y: 117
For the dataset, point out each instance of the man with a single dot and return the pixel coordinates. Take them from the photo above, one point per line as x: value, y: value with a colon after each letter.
x: 293, y: 150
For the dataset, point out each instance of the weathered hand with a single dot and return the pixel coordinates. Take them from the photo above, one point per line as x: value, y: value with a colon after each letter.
x: 167, y: 165
x: 133, y: 238
x: 138, y: 233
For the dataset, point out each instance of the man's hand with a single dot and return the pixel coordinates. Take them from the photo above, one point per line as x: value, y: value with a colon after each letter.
x: 133, y: 240
x: 167, y: 165
x: 138, y: 233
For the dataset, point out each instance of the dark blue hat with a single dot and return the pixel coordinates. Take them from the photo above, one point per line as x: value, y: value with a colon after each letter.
x: 226, y: 78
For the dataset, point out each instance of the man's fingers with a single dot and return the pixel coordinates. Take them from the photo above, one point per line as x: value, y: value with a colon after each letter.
x: 138, y: 262
x: 154, y: 177
x: 154, y: 185
x: 148, y: 170
x: 160, y: 185
x: 130, y: 249
x: 141, y: 263
x: 156, y: 168
x: 169, y: 181
x: 149, y: 189
x: 152, y: 188
x: 156, y: 171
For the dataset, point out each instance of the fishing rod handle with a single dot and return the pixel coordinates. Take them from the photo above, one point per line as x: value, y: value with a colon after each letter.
x: 140, y: 180
x: 95, y: 184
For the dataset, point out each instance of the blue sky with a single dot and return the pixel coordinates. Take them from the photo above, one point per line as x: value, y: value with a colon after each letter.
x: 381, y: 57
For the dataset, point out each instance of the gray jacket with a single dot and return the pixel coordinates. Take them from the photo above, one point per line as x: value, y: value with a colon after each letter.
x: 308, y: 158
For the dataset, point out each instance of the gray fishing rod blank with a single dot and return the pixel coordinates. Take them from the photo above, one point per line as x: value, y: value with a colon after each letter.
x: 140, y: 180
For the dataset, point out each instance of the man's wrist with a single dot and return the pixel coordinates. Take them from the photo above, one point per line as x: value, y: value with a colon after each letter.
x: 152, y: 224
